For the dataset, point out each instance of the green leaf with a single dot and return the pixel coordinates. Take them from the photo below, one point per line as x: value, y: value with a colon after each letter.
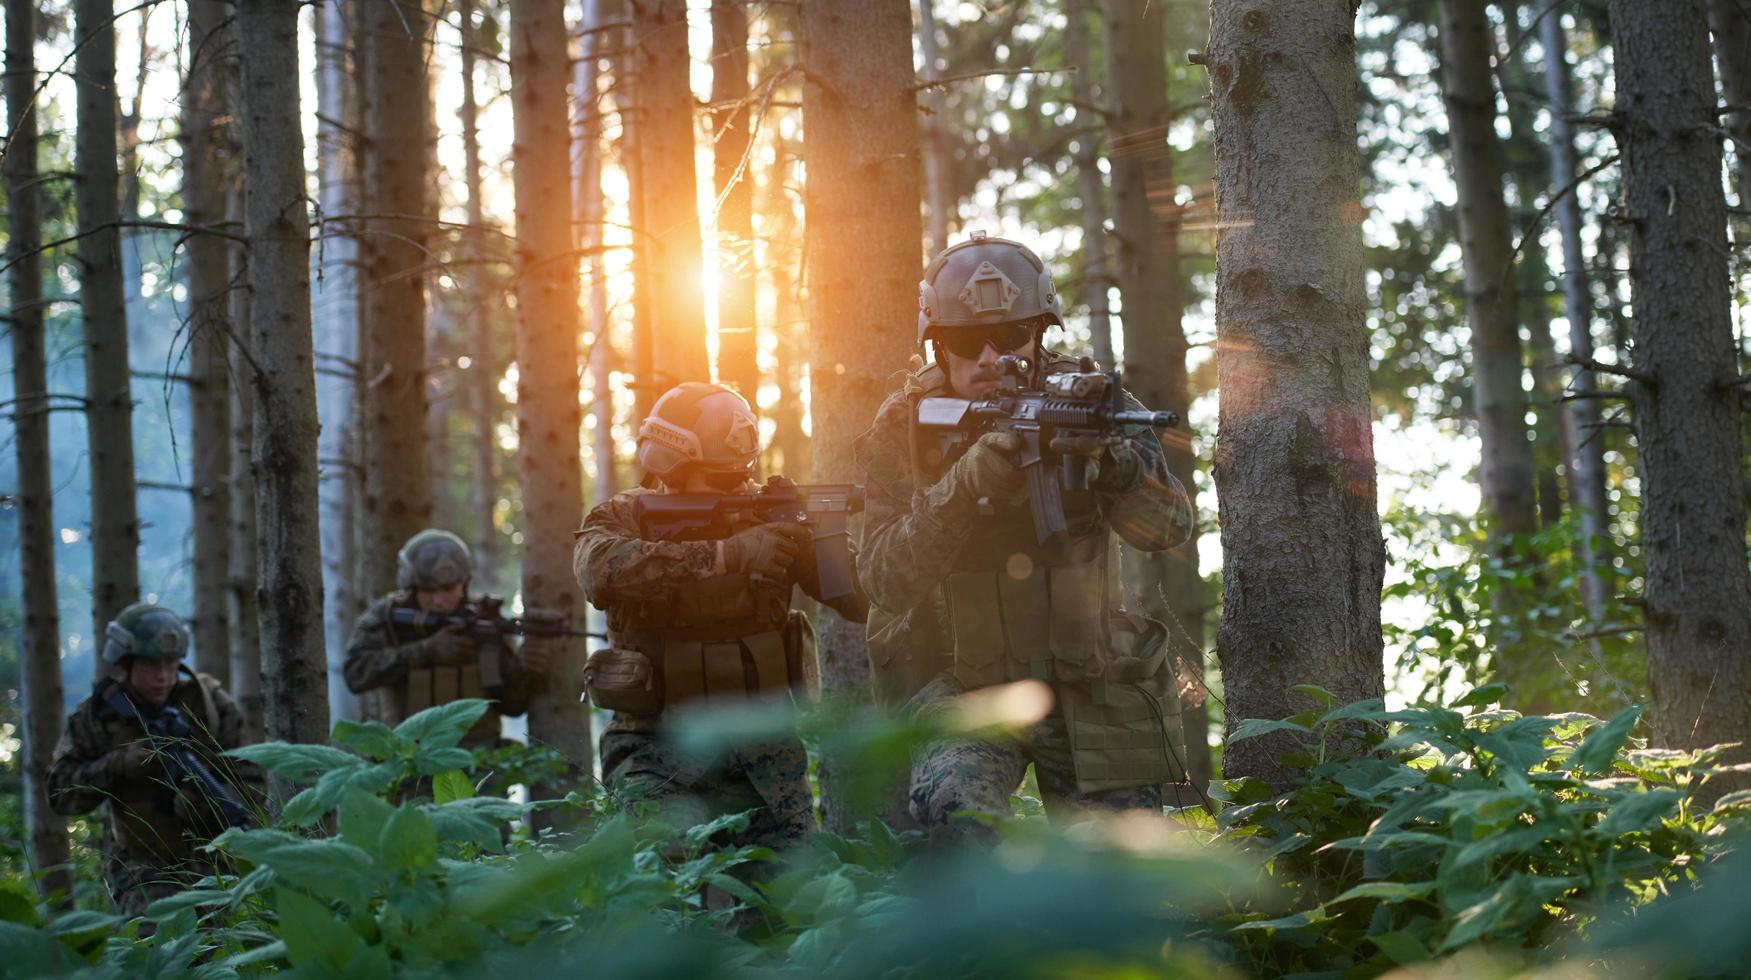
x: 83, y: 920
x: 1596, y: 754
x: 28, y: 952
x: 169, y: 905
x: 1639, y: 811
x: 739, y: 888
x: 408, y: 840
x: 443, y: 726
x: 431, y: 762
x: 311, y: 934
x: 327, y: 867
x: 1401, y: 947
x: 1495, y: 845
x: 371, y: 739
x: 362, y: 816
x: 478, y: 820
x: 296, y: 762
x: 1390, y: 892
x: 1315, y: 691
x: 451, y: 785
x: 272, y: 952
x: 1300, y: 920
x: 1481, y: 697
x: 1254, y: 727
x: 17, y: 903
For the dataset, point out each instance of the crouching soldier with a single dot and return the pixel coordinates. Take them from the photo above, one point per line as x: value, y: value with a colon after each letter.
x: 145, y: 751
x: 702, y: 619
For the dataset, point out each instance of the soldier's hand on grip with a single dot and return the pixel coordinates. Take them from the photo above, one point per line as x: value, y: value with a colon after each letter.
x: 449, y: 647
x: 989, y: 469
x: 128, y: 761
x: 767, y: 550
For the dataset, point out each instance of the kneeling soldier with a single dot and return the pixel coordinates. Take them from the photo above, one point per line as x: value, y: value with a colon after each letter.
x: 144, y: 749
x: 692, y: 620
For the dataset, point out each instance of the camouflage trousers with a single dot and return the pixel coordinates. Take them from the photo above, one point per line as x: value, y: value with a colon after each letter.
x: 771, y: 779
x: 961, y: 786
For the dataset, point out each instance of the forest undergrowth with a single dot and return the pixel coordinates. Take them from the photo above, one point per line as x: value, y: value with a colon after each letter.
x: 1496, y: 843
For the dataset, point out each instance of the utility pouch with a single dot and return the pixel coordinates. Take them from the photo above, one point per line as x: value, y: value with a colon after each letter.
x: 1125, y: 727
x: 623, y: 680
x: 977, y: 615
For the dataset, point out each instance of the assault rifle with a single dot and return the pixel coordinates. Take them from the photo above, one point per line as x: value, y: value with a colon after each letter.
x: 824, y: 510
x: 484, y: 620
x: 172, y: 745
x: 1080, y: 404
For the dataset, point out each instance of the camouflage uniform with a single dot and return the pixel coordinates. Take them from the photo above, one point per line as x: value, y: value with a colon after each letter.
x: 920, y: 535
x: 386, y: 658
x: 152, y: 829
x: 673, y: 602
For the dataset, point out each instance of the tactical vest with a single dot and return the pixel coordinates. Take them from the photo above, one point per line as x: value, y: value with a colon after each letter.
x: 428, y: 687
x: 1018, y: 610
x: 144, y: 818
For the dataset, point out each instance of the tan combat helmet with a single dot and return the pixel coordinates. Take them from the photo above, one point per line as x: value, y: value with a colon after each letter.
x: 145, y: 630
x: 698, y: 424
x: 982, y: 282
x: 433, y: 559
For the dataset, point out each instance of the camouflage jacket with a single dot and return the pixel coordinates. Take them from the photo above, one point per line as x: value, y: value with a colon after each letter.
x: 148, y: 820
x: 381, y: 655
x: 915, y: 529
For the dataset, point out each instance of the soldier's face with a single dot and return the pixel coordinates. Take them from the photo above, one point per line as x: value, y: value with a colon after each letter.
x: 152, y: 680
x: 442, y: 601
x: 695, y: 479
x: 977, y: 377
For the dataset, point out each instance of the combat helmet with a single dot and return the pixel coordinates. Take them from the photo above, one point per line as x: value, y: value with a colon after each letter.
x: 698, y: 424
x: 145, y: 630
x: 433, y: 559
x: 985, y: 281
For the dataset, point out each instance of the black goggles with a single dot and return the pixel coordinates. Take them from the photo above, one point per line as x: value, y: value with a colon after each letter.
x: 1004, y: 338
x: 725, y: 481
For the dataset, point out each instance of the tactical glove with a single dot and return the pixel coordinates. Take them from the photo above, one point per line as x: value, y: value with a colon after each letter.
x: 128, y: 761
x: 449, y: 647
x: 987, y: 469
x: 1118, y: 468
x: 765, y: 550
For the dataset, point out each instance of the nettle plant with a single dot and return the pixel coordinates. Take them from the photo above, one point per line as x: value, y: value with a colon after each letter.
x: 1455, y: 829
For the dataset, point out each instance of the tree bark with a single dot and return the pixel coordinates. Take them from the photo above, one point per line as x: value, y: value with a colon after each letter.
x: 481, y: 381
x: 789, y: 360
x: 1730, y: 22
x: 1146, y: 224
x: 939, y: 203
x: 592, y: 210
x: 1294, y: 463
x: 39, y: 642
x: 207, y: 156
x: 245, y: 613
x: 548, y: 416
x: 670, y: 219
x: 335, y: 310
x: 133, y: 239
x: 1491, y: 298
x: 1090, y: 190
x: 398, y: 495
x: 738, y: 362
x: 1697, y: 610
x: 288, y: 526
x: 1586, y: 463
x: 115, y: 522
x: 861, y: 203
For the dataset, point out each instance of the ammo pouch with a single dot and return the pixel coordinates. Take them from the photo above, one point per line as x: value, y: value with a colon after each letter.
x: 644, y: 674
x: 1125, y: 727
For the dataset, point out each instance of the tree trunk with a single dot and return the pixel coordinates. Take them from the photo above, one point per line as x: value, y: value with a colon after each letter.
x: 789, y: 362
x: 1090, y: 194
x: 1697, y: 610
x: 133, y: 239
x: 115, y: 523
x: 484, y: 403
x: 939, y: 203
x: 206, y: 159
x: 1586, y: 463
x: 670, y: 222
x: 398, y: 496
x: 335, y: 310
x: 1146, y: 224
x: 245, y: 613
x: 633, y: 102
x: 862, y: 230
x: 738, y: 363
x: 39, y: 642
x: 289, y: 583
x: 548, y: 415
x: 1730, y: 21
x: 1491, y: 298
x: 592, y: 210
x: 1294, y: 464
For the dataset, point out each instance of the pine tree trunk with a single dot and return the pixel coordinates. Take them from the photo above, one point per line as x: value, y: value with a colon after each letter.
x: 789, y: 360
x: 39, y: 642
x: 1491, y: 299
x: 484, y: 404
x: 206, y: 159
x: 1586, y: 462
x: 335, y: 310
x: 1294, y: 465
x: 1146, y: 226
x: 133, y: 239
x: 1090, y: 193
x: 592, y: 211
x: 288, y: 527
x: 670, y: 219
x: 548, y: 415
x: 245, y: 613
x: 115, y: 522
x: 939, y: 203
x: 1730, y: 21
x: 398, y: 496
x: 861, y: 205
x: 1697, y: 610
x: 738, y: 364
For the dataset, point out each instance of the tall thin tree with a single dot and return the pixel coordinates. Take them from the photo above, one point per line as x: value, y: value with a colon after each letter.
x: 732, y: 149
x: 484, y: 403
x: 1730, y: 23
x: 1090, y: 185
x: 591, y: 206
x: 243, y: 607
x: 39, y: 642
x: 1303, y: 559
x: 939, y: 204
x: 1685, y: 393
x: 115, y: 521
x: 277, y: 224
x: 861, y: 204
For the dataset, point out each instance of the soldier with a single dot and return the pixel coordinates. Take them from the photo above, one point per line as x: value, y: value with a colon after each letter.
x: 700, y: 620
x: 144, y: 749
x: 412, y: 669
x: 965, y: 597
